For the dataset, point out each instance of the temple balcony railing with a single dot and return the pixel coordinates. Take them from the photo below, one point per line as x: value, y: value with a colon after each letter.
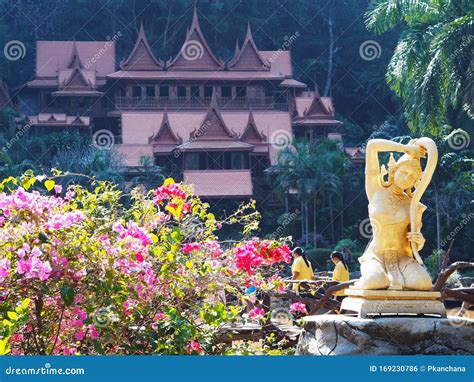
x: 186, y: 103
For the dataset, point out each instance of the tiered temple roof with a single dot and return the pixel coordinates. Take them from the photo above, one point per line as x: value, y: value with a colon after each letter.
x: 56, y: 59
x: 142, y: 57
x: 312, y: 109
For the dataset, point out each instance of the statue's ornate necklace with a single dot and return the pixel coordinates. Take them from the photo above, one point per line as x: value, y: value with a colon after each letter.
x: 395, y: 200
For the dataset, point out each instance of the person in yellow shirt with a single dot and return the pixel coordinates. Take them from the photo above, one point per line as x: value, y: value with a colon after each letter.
x: 301, y: 268
x: 340, y: 273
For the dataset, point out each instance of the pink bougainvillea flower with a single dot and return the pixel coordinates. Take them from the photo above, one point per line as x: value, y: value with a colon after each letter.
x: 169, y: 191
x: 58, y: 188
x: 79, y: 336
x: 257, y: 313
x: 4, y: 268
x: 194, y: 347
x: 190, y: 247
x: 247, y: 257
x: 93, y: 333
x: 298, y: 307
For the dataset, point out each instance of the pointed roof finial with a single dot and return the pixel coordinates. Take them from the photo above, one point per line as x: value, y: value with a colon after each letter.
x: 195, y: 17
x: 237, y: 48
x: 249, y: 31
x: 74, y: 60
x: 253, y: 59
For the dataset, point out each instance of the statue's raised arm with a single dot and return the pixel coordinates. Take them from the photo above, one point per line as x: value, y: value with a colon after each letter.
x: 391, y: 260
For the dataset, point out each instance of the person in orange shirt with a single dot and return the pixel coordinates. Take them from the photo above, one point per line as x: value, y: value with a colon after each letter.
x: 340, y: 273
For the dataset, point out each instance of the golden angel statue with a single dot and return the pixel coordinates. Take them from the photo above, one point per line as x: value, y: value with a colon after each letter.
x: 391, y: 260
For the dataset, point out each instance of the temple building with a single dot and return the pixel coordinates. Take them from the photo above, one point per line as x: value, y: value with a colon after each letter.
x: 213, y: 123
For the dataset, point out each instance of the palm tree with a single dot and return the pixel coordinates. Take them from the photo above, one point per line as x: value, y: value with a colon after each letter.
x: 312, y: 170
x: 431, y: 68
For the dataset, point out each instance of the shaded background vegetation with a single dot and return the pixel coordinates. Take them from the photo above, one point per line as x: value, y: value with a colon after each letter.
x: 330, y: 205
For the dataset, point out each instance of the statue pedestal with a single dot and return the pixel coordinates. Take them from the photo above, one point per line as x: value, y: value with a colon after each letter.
x: 366, y: 302
x: 344, y: 335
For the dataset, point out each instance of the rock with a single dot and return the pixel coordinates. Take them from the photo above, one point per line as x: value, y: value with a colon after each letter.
x: 346, y: 335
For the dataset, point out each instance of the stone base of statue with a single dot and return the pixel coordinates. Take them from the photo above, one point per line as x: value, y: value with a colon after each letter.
x: 368, y: 302
x: 347, y: 335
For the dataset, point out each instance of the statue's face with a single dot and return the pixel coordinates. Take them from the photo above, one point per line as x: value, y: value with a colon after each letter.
x: 405, y: 177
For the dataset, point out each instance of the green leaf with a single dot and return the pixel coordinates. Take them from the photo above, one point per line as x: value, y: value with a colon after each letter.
x: 67, y: 294
x: 49, y: 184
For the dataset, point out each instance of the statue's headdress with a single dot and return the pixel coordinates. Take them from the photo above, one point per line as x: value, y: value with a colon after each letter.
x: 393, y: 166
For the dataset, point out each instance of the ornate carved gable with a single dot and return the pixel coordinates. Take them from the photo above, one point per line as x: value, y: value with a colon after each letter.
x: 195, y: 54
x: 213, y: 125
x: 165, y: 135
x: 78, y: 122
x: 251, y: 133
x: 75, y: 60
x: 248, y: 57
x: 317, y: 107
x: 77, y: 80
x: 141, y: 57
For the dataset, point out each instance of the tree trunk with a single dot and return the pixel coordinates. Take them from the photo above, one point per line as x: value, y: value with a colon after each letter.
x: 327, y: 89
x: 306, y: 222
x: 332, y: 220
x: 302, y: 219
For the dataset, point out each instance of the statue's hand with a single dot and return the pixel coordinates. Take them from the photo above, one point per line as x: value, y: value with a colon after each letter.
x: 417, y: 238
x: 415, y: 150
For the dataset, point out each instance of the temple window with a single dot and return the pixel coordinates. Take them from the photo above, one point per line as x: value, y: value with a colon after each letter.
x: 241, y: 91
x: 150, y: 91
x: 194, y: 92
x: 136, y: 91
x: 207, y: 91
x: 164, y: 91
x: 182, y: 91
x: 226, y: 91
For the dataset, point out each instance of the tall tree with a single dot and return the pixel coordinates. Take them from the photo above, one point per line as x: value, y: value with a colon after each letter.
x: 431, y: 68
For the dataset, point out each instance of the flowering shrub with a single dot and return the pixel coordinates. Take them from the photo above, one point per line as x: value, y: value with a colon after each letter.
x: 99, y: 272
x: 298, y: 307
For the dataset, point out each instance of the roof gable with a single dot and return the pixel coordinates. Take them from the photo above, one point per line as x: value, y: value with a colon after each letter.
x: 251, y: 133
x: 213, y: 125
x: 248, y: 57
x: 76, y: 80
x: 317, y: 107
x: 141, y: 57
x: 195, y: 53
x: 165, y: 134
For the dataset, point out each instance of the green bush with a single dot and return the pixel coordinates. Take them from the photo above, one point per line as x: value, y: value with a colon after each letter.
x: 353, y: 245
